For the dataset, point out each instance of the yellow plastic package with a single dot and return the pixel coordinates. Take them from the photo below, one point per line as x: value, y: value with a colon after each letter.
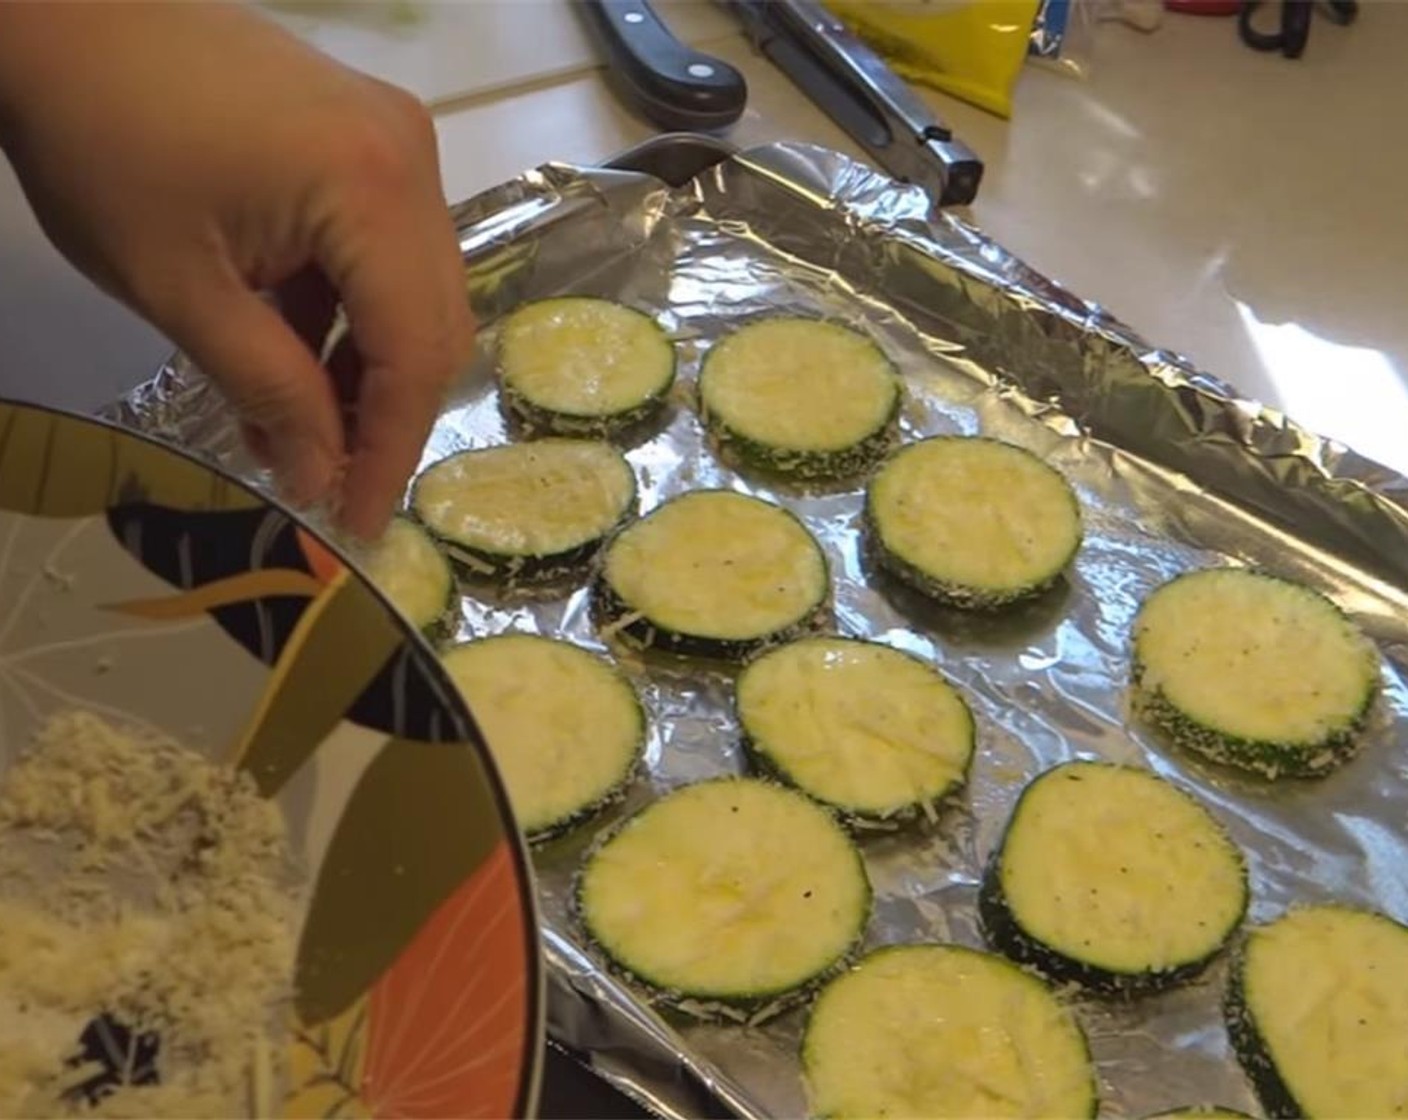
x: 973, y: 49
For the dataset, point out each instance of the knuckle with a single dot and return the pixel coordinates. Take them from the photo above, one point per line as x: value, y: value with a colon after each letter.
x: 263, y: 403
x: 377, y: 159
x: 412, y: 117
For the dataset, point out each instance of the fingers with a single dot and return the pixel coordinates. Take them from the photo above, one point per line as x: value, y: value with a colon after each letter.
x: 309, y: 303
x: 397, y: 268
x: 277, y: 388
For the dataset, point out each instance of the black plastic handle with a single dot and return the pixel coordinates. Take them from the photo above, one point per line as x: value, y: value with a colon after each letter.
x: 672, y: 85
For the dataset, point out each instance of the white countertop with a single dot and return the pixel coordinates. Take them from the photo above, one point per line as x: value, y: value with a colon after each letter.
x: 1237, y: 207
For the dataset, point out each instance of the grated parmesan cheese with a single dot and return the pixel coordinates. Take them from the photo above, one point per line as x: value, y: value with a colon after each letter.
x: 142, y: 882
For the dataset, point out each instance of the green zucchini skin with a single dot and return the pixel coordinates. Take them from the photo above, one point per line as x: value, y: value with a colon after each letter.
x: 913, y: 815
x: 956, y: 595
x: 762, y: 761
x: 1252, y: 1052
x: 542, y: 837
x: 1261, y: 757
x: 738, y: 1007
x: 750, y: 1008
x: 1005, y: 934
x: 546, y: 828
x: 641, y: 634
x: 563, y: 826
x: 442, y: 629
x: 805, y: 466
x: 960, y: 596
x: 1343, y: 972
x: 1264, y: 758
x: 877, y: 953
x: 609, y: 610
x: 438, y: 626
x: 538, y: 419
x: 479, y: 565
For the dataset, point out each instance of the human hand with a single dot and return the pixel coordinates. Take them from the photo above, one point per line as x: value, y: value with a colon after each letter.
x: 189, y: 157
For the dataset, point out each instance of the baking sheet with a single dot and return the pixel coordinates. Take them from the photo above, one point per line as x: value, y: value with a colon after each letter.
x: 1173, y: 472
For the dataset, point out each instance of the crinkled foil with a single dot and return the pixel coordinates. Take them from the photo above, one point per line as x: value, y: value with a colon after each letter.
x: 1174, y: 471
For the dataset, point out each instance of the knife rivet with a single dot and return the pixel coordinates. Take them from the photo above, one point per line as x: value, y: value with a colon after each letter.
x: 700, y: 70
x: 633, y: 17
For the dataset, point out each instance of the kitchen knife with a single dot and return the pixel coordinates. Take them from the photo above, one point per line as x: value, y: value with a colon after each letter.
x: 854, y: 87
x: 673, y: 85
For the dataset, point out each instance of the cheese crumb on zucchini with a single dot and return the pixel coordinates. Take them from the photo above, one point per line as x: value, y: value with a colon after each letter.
x: 972, y: 522
x: 526, y: 512
x: 713, y: 573
x: 877, y: 734
x: 410, y: 570
x: 1114, y: 879
x: 1318, y: 1013
x: 566, y: 729
x: 1253, y: 671
x: 939, y: 1031
x: 726, y: 893
x: 581, y: 366
x: 800, y: 396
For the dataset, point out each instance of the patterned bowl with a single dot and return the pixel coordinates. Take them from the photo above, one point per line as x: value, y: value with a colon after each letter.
x: 157, y: 593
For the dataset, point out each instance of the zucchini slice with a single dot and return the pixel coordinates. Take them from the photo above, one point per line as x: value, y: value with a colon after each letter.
x: 408, y: 568
x: 972, y: 522
x: 1318, y: 1013
x: 713, y: 573
x: 800, y: 396
x: 1114, y: 879
x: 581, y: 366
x: 875, y: 733
x: 727, y: 896
x: 526, y: 512
x: 944, y: 1031
x: 1254, y: 672
x: 566, y: 729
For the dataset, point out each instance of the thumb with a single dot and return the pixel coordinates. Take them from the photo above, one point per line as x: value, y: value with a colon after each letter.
x: 281, y: 394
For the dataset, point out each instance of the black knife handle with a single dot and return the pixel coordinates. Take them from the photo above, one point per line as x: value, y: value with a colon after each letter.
x: 674, y: 86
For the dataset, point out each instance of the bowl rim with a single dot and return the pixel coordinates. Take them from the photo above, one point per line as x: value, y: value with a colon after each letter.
x: 531, y: 1058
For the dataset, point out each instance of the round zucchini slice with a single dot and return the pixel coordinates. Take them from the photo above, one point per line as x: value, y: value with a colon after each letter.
x: 801, y: 397
x: 408, y: 568
x: 581, y: 366
x: 1114, y: 879
x: 972, y: 522
x: 713, y: 573
x: 729, y: 895
x: 526, y: 512
x: 877, y: 734
x: 566, y: 729
x: 1253, y: 672
x: 944, y: 1031
x: 1318, y: 1012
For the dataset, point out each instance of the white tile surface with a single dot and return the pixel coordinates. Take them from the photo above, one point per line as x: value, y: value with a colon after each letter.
x: 446, y: 50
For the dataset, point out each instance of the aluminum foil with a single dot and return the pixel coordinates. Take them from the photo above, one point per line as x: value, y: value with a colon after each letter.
x: 1173, y: 470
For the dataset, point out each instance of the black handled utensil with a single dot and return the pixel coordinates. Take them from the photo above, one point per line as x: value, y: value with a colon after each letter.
x: 853, y: 86
x: 673, y: 85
